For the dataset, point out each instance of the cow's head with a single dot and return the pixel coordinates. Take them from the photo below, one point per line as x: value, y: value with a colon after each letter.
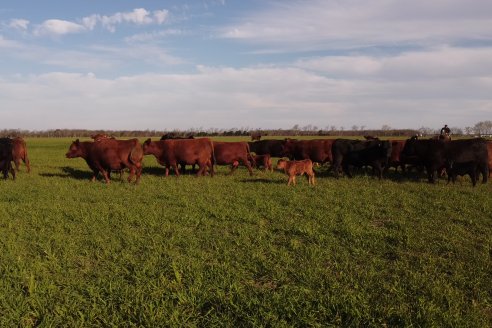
x: 75, y: 150
x: 288, y: 148
x: 281, y: 164
x: 148, y: 147
x: 410, y: 148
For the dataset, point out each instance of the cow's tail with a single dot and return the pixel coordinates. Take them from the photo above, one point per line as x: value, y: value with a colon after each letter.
x: 136, y: 154
x: 213, y: 160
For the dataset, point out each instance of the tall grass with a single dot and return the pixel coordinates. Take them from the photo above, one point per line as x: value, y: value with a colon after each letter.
x: 240, y: 250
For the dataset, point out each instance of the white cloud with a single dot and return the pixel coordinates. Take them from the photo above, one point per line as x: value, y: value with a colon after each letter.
x: 138, y: 16
x: 434, y: 63
x: 160, y: 16
x: 254, y: 97
x: 20, y: 24
x: 153, y: 36
x: 328, y: 24
x: 8, y: 44
x: 57, y: 27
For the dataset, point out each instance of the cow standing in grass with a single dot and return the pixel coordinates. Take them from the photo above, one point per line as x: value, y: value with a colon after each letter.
x: 437, y: 154
x: 108, y: 155
x: 19, y: 153
x: 233, y: 153
x: 172, y: 152
x: 341, y: 149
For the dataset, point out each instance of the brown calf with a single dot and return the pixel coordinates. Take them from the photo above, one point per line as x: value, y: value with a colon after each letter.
x: 293, y: 168
x: 264, y: 161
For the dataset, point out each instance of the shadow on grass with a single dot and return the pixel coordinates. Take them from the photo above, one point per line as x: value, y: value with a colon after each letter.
x: 263, y: 180
x: 77, y: 174
x: 154, y: 170
x: 69, y: 172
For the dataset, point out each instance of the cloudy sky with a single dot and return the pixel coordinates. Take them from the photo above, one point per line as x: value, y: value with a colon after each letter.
x: 122, y: 64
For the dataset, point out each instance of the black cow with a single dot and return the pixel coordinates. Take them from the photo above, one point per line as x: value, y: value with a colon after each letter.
x: 6, y: 157
x: 375, y: 155
x: 272, y: 147
x: 342, y: 147
x: 436, y: 154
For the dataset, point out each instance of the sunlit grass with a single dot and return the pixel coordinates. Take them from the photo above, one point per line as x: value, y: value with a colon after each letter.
x: 240, y: 250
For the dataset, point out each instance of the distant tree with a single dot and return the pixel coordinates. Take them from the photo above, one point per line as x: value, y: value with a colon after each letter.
x: 456, y: 130
x: 425, y: 131
x: 483, y: 127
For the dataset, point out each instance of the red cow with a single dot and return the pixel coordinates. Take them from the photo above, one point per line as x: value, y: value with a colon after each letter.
x: 395, y: 159
x: 108, y: 155
x: 19, y: 152
x: 232, y: 153
x: 317, y: 150
x: 293, y: 168
x: 171, y: 152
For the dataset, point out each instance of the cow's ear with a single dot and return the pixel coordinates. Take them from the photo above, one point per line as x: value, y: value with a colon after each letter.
x: 77, y: 142
x: 146, y: 142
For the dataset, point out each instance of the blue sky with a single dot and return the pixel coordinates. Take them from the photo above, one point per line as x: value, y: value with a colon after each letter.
x: 120, y: 64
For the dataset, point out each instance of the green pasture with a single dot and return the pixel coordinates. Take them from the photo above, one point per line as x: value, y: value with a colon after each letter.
x: 240, y: 251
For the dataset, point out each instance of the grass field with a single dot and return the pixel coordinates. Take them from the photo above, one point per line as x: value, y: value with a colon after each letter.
x: 240, y: 251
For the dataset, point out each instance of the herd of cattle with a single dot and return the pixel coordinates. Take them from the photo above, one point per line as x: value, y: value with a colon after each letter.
x: 106, y: 154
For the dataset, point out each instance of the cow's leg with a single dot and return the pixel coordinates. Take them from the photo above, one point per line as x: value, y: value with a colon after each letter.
x: 175, y: 168
x: 291, y: 178
x: 431, y: 174
x: 234, y: 166
x: 133, y: 171
x: 201, y: 169
x: 27, y: 163
x: 17, y: 164
x: 210, y: 164
x: 167, y: 170
x: 485, y: 172
x: 379, y: 170
x: 473, y: 177
x: 12, y: 171
x: 346, y: 170
x: 248, y: 166
x: 106, y: 176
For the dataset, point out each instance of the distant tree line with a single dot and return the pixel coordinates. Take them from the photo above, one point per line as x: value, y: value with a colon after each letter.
x: 483, y: 128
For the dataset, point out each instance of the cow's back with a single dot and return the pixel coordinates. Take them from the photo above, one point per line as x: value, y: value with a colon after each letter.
x: 273, y: 147
x: 467, y: 150
x: 115, y: 154
x: 228, y: 152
